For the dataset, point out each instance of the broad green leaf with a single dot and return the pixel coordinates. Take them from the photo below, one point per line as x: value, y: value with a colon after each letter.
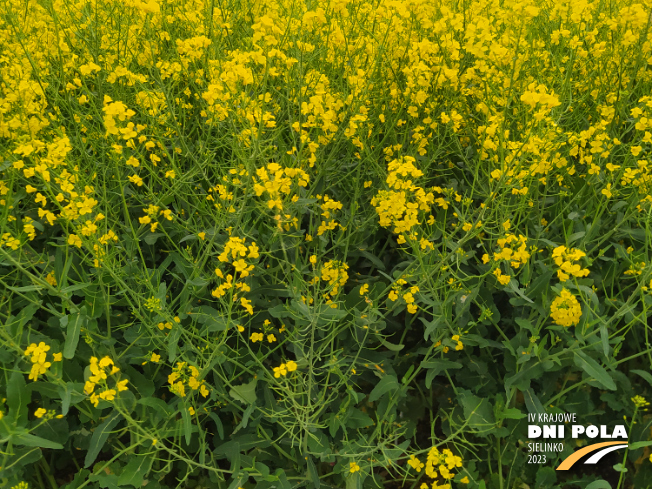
x: 521, y: 379
x: 435, y: 367
x: 390, y: 346
x: 598, y: 485
x: 477, y: 411
x: 646, y: 375
x: 187, y: 423
x: 18, y: 397
x: 135, y: 471
x: 173, y: 341
x: 218, y: 424
x: 640, y: 444
x: 513, y: 413
x: 245, y: 418
x: 532, y: 402
x: 36, y: 441
x: 386, y: 384
x: 212, y: 318
x: 100, y: 435
x: 155, y: 403
x: 245, y: 393
x: 75, y: 324
x: 71, y: 394
x: 594, y: 370
x: 312, y: 473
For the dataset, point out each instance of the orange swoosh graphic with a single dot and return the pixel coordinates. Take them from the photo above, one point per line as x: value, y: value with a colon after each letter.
x: 571, y: 459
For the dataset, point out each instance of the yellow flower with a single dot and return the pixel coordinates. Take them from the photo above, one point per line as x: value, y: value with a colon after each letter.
x: 39, y: 412
x: 465, y: 479
x: 353, y: 467
x: 415, y: 463
x: 271, y: 338
x: 291, y: 366
x: 565, y: 310
x: 280, y: 370
x: 155, y: 358
x: 57, y: 357
x: 256, y: 337
x: 89, y: 387
x: 74, y: 240
x: 202, y: 236
x: 364, y: 289
x: 191, y: 410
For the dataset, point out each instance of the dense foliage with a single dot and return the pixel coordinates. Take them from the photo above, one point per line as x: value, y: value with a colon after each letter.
x: 339, y: 243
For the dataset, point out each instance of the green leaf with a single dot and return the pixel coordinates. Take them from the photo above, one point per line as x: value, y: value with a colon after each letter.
x: 245, y: 418
x: 312, y: 473
x: 218, y: 424
x: 245, y: 393
x: 598, y: 485
x: 477, y: 411
x: 71, y: 394
x: 386, y: 384
x: 521, y: 379
x: 74, y: 288
x: 187, y: 423
x: 644, y: 374
x: 282, y: 478
x: 75, y: 323
x: 594, y: 370
x: 36, y: 441
x: 173, y: 341
x: 100, y: 435
x: 135, y: 471
x: 158, y: 404
x: 640, y: 444
x: 532, y: 402
x: 151, y: 238
x: 18, y: 397
x: 390, y: 346
x: 513, y: 413
x: 435, y: 367
x: 212, y: 318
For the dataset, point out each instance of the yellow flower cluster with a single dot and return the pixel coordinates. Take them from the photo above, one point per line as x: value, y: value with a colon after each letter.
x: 38, y: 354
x: 512, y: 249
x: 565, y: 310
x: 408, y: 296
x: 456, y: 340
x: 182, y: 374
x: 234, y: 252
x: 335, y: 273
x: 284, y: 368
x: 439, y: 465
x: 150, y: 214
x: 276, y: 182
x: 400, y: 206
x: 9, y: 241
x: 564, y: 258
x: 99, y: 375
x: 328, y: 206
